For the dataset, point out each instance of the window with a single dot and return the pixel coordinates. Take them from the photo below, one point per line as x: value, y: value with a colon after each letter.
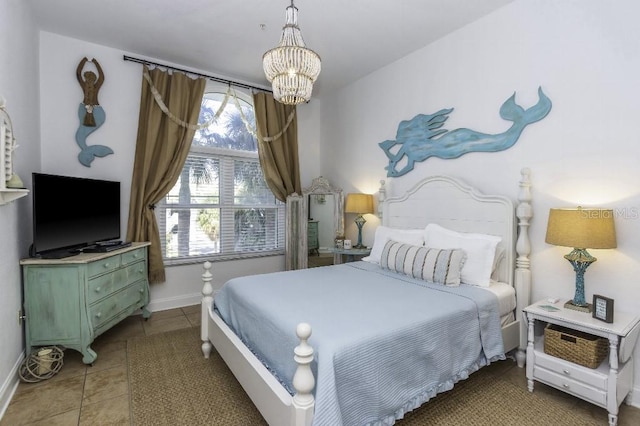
x: 221, y: 206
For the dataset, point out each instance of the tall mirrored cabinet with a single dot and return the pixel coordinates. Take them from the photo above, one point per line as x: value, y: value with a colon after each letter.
x: 314, y: 220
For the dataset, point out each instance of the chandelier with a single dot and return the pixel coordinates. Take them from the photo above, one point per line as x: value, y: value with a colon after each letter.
x: 291, y: 67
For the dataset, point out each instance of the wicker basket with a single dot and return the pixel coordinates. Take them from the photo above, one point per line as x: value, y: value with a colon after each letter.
x: 575, y: 346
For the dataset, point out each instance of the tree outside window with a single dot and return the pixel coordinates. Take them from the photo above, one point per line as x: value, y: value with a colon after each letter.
x: 221, y: 206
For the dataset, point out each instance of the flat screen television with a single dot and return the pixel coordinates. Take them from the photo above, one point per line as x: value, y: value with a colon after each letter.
x: 70, y: 213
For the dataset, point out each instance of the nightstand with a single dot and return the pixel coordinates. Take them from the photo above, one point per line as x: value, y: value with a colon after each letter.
x: 352, y: 254
x: 606, y: 386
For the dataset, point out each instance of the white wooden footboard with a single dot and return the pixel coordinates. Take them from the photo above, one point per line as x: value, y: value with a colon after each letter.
x: 275, y: 404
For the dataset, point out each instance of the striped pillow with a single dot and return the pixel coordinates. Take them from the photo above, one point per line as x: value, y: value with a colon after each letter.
x: 441, y: 266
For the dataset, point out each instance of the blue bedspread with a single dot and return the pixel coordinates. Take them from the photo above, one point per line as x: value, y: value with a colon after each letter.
x: 384, y: 343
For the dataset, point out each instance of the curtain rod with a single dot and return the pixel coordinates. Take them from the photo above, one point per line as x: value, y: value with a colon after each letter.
x: 210, y: 77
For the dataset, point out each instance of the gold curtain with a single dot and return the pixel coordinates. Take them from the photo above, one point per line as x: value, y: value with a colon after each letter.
x: 278, y: 153
x: 161, y: 150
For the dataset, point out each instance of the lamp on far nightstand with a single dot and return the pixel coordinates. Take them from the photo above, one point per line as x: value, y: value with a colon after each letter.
x: 581, y: 229
x: 359, y: 204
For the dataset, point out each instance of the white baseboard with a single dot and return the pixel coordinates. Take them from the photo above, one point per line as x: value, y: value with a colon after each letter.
x: 175, y: 302
x: 8, y: 388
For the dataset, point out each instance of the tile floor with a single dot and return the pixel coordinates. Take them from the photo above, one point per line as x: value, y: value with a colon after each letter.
x: 99, y: 395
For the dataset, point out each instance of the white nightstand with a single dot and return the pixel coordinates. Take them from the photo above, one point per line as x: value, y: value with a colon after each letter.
x: 606, y: 386
x: 352, y: 254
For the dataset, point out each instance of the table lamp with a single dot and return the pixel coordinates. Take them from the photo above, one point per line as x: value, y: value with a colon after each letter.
x: 581, y: 229
x: 359, y: 204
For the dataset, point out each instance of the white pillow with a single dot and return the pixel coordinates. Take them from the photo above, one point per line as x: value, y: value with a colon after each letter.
x: 415, y: 237
x: 480, y: 250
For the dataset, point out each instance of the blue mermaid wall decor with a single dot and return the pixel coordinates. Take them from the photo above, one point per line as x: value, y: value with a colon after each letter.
x: 90, y: 113
x: 423, y: 136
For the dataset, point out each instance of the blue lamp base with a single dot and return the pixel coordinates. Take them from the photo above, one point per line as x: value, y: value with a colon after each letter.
x: 580, y: 259
x: 360, y: 221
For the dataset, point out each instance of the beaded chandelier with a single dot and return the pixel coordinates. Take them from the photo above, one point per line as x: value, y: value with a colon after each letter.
x: 291, y: 67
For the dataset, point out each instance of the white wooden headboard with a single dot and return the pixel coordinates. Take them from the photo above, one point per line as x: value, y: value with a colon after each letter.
x: 455, y: 205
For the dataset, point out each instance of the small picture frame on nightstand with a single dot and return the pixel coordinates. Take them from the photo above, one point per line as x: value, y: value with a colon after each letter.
x: 602, y: 308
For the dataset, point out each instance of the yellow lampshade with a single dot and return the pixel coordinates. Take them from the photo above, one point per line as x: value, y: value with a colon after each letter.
x: 581, y: 228
x: 359, y: 203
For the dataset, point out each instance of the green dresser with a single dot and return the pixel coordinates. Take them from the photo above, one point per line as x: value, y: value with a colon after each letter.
x: 71, y: 301
x: 312, y: 237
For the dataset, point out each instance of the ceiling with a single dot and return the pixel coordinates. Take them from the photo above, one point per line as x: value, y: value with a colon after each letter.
x: 228, y: 37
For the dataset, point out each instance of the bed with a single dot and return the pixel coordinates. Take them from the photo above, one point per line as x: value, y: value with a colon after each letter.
x: 352, y: 379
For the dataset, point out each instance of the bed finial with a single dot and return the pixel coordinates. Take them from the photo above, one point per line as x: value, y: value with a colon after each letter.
x: 382, y: 195
x: 303, y: 380
x: 207, y: 300
x: 524, y: 212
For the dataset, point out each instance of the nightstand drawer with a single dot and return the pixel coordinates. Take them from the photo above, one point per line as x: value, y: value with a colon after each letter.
x: 571, y: 371
x: 566, y: 384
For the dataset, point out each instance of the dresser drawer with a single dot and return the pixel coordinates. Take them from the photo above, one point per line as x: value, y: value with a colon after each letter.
x: 136, y: 272
x: 575, y: 387
x: 106, y: 284
x: 572, y: 371
x: 104, y: 310
x: 103, y: 265
x: 133, y: 256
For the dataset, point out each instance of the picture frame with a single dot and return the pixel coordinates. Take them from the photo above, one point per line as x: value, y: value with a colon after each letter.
x: 602, y: 308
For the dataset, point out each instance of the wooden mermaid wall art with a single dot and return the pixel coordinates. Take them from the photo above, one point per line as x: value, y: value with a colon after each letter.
x: 90, y: 113
x: 423, y: 136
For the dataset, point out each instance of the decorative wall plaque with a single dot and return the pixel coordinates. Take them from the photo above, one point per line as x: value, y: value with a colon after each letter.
x: 90, y: 113
x: 423, y: 136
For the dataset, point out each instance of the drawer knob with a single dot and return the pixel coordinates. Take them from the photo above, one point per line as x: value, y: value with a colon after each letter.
x: 136, y: 255
x: 106, y: 265
x: 141, y: 290
x: 98, y: 289
x: 566, y: 386
x: 567, y: 372
x: 99, y: 314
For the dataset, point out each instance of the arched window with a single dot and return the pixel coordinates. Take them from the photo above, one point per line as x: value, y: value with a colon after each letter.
x: 221, y: 206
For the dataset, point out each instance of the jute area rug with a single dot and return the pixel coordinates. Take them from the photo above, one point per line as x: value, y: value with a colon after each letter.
x: 171, y: 383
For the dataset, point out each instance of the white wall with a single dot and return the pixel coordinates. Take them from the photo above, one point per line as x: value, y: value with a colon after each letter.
x: 584, y: 54
x: 19, y: 87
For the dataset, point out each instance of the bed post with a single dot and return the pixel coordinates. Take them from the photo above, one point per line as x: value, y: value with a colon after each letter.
x: 382, y: 195
x: 524, y: 212
x: 207, y: 300
x: 303, y: 380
